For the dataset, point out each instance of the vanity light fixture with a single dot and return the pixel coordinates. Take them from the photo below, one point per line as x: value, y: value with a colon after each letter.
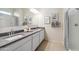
x: 4, y: 12
x: 7, y: 13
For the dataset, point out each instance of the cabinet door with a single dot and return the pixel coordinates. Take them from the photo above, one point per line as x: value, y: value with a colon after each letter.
x: 41, y: 36
x: 25, y: 47
x: 35, y: 40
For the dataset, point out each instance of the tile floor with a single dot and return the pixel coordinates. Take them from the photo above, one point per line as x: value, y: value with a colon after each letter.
x: 55, y: 43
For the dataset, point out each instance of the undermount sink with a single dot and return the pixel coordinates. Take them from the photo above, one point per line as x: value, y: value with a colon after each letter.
x: 14, y: 37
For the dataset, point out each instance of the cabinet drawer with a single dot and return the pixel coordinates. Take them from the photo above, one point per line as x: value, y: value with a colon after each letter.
x: 15, y: 45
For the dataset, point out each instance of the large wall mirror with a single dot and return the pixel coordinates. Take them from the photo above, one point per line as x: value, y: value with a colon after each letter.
x: 14, y: 18
x: 11, y: 17
x: 5, y: 17
x: 27, y: 20
x: 18, y: 15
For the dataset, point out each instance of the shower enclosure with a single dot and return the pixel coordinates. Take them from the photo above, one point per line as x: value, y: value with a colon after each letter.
x: 72, y: 29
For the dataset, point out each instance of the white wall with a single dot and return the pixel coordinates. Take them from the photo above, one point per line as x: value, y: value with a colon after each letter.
x: 50, y: 30
x: 61, y: 17
x: 39, y: 20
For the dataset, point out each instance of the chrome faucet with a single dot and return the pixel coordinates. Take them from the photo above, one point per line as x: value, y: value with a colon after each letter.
x: 11, y: 33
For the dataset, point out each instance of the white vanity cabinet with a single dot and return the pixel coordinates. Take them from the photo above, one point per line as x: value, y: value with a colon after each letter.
x: 35, y: 41
x: 18, y: 45
x: 29, y: 43
x: 41, y: 35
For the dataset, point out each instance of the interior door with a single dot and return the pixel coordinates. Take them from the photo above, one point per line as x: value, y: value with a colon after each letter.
x: 74, y: 32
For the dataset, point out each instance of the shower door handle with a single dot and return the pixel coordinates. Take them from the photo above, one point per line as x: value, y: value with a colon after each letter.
x: 76, y: 25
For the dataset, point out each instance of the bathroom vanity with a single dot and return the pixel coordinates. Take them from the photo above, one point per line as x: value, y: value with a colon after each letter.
x: 23, y: 41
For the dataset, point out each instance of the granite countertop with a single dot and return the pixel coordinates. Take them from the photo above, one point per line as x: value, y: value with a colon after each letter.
x: 4, y: 42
